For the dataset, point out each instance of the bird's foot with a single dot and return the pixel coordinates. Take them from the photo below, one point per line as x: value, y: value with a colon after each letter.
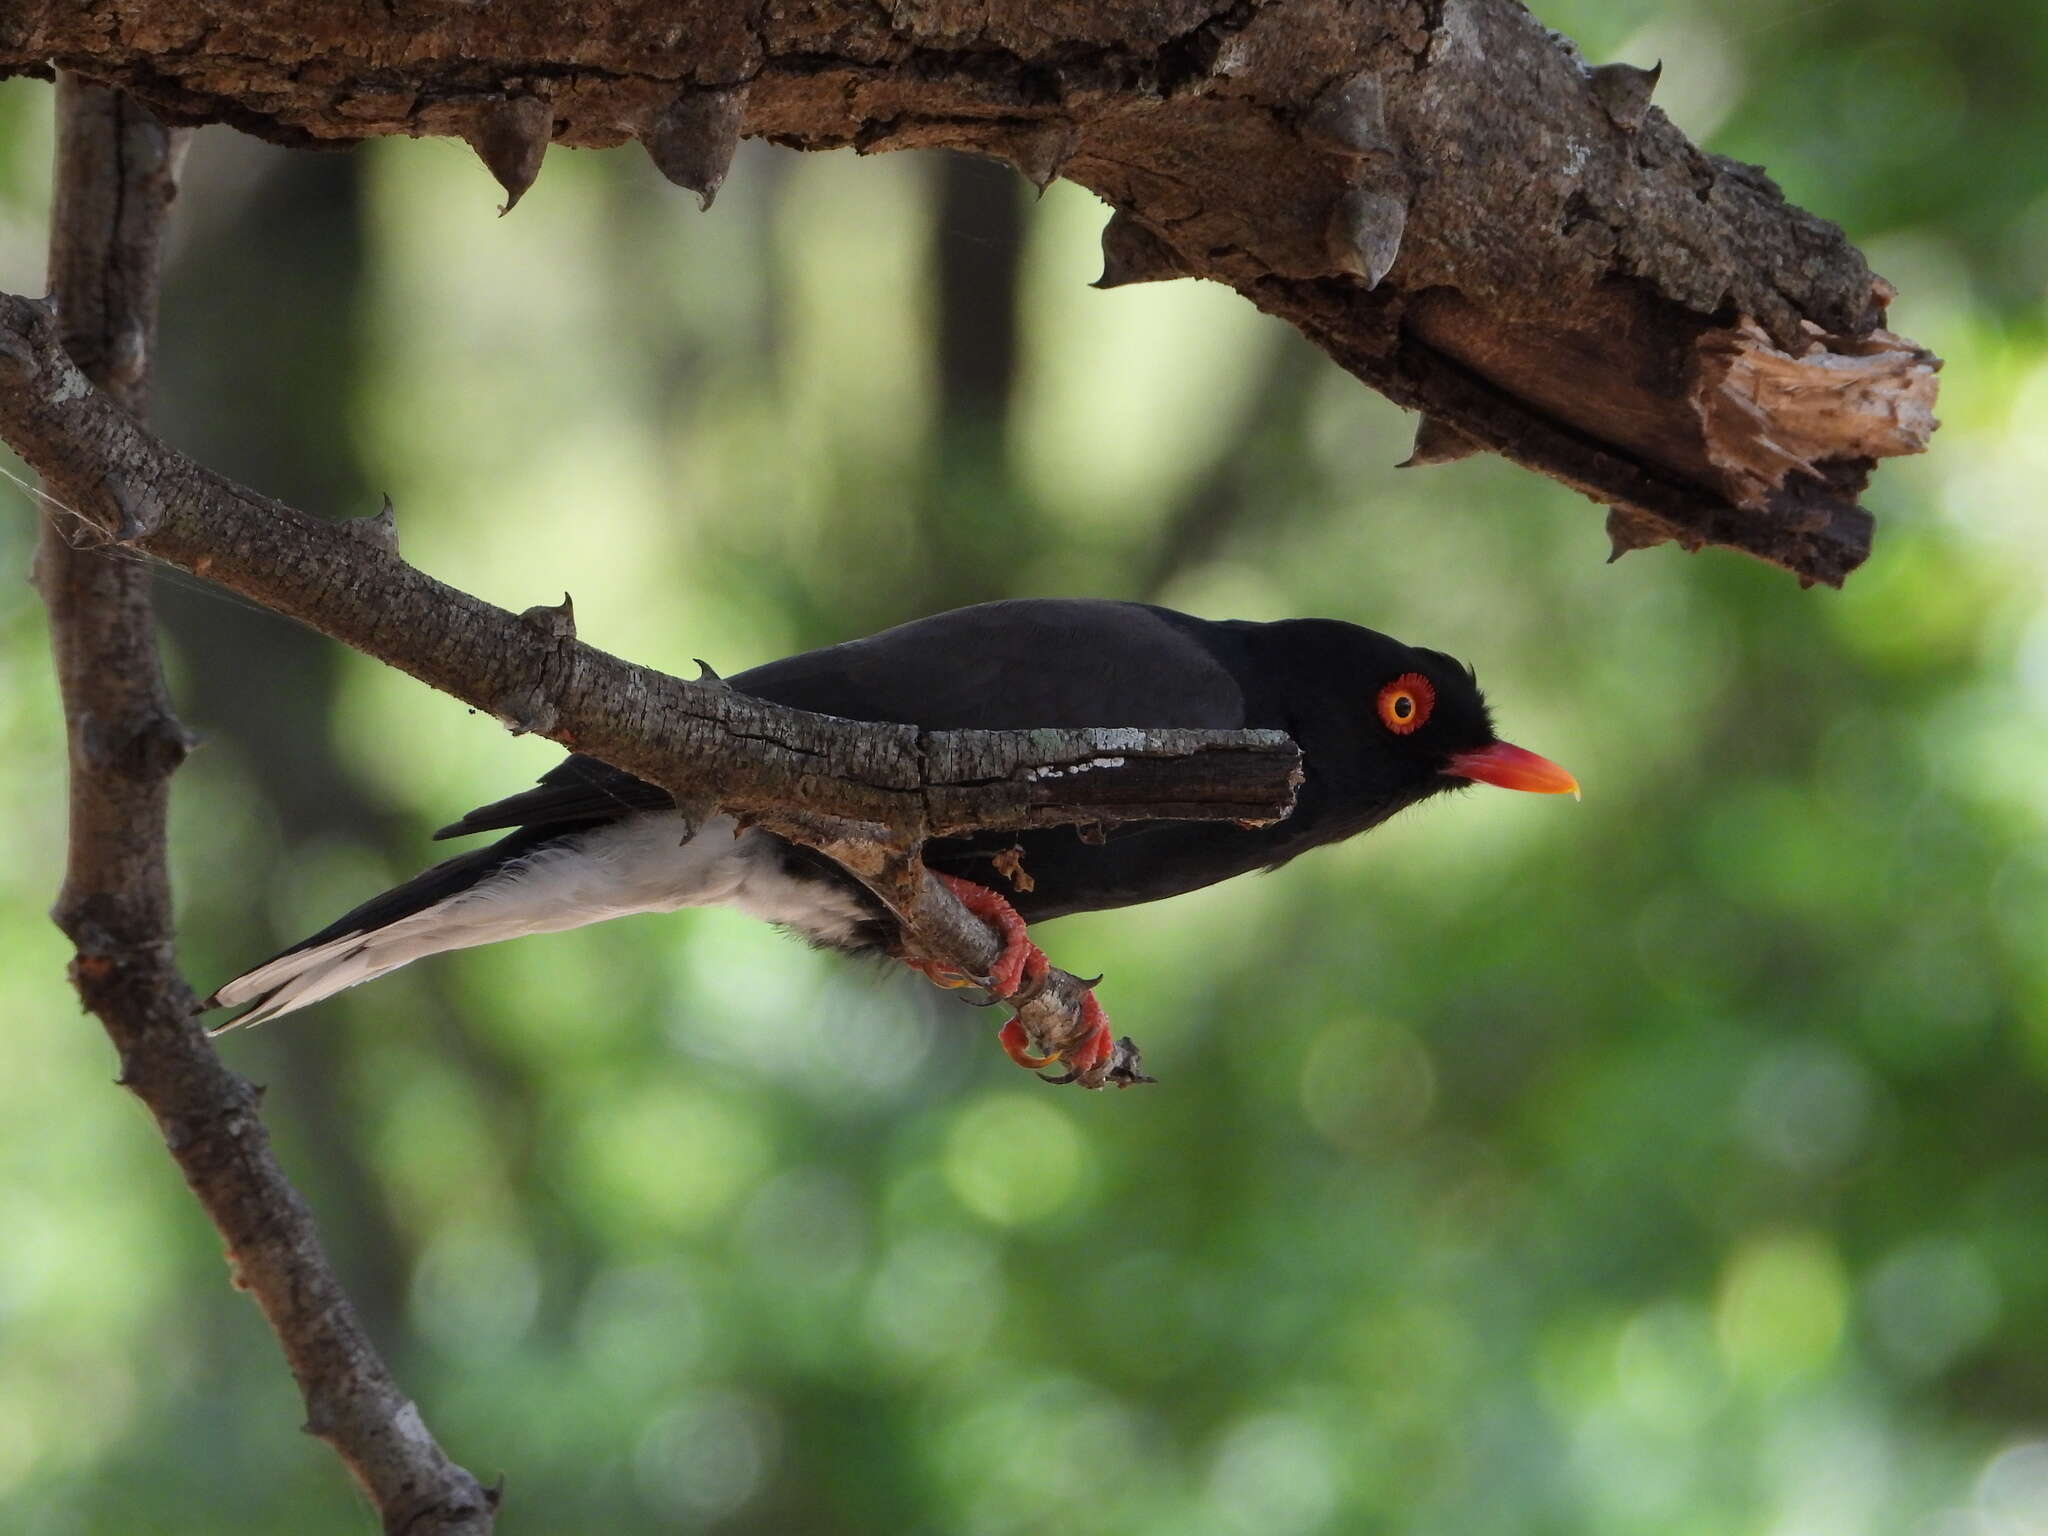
x: 1006, y: 976
x: 1096, y: 1047
x: 1016, y: 977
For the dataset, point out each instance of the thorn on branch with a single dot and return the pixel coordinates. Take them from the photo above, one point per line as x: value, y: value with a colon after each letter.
x: 1041, y: 151
x: 1629, y: 530
x: 134, y: 516
x: 511, y: 137
x: 1132, y: 253
x: 1350, y: 119
x: 379, y: 529
x: 1624, y: 91
x: 557, y: 623
x: 154, y: 750
x: 1438, y: 442
x: 1365, y: 231
x: 706, y: 675
x: 693, y: 139
x: 1126, y: 1069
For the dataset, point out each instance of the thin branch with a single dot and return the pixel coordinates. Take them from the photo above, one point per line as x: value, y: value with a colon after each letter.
x: 1443, y: 196
x: 116, y: 176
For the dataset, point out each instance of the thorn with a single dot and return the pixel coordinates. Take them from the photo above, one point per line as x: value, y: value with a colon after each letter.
x: 1350, y: 118
x: 1623, y: 92
x: 1629, y: 529
x: 511, y: 137
x: 379, y: 528
x: 1438, y: 442
x: 1128, y: 1069
x: 157, y: 749
x: 131, y: 524
x: 1365, y: 232
x: 705, y: 674
x: 1132, y: 253
x: 1041, y: 151
x: 555, y: 623
x: 692, y: 140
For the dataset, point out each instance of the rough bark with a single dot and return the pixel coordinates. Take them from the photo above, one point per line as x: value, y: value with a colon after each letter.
x: 868, y: 794
x: 116, y: 176
x: 1440, y: 193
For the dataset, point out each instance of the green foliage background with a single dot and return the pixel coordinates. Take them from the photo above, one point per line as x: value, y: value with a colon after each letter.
x: 1675, y: 1162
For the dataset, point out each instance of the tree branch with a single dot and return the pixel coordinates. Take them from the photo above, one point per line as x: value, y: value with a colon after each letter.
x: 867, y: 794
x: 1440, y: 193
x: 116, y: 176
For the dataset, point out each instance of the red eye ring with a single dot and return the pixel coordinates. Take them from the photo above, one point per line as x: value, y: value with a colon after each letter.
x: 1405, y: 703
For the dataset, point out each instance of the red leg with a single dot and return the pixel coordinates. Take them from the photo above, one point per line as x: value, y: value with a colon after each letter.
x: 1021, y: 964
x: 1007, y: 974
x: 1096, y: 1047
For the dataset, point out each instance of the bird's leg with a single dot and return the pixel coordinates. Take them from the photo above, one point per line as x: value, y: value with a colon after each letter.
x: 1016, y: 976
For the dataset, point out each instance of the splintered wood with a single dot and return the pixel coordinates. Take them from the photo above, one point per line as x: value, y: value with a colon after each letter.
x: 1764, y: 412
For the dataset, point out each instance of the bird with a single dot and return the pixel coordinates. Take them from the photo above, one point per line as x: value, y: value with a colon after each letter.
x: 1381, y: 726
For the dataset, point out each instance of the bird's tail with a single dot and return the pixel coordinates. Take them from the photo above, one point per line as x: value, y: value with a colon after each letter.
x: 417, y: 918
x: 302, y: 976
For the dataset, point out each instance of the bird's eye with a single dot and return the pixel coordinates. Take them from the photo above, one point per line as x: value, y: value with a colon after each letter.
x: 1406, y: 702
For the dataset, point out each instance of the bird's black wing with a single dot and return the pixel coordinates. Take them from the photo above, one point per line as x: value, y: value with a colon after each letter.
x: 578, y: 791
x: 1059, y: 663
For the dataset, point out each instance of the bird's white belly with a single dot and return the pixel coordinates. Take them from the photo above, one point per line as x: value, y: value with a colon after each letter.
x: 644, y: 863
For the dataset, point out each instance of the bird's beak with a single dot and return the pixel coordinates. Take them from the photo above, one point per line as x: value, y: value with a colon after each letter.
x: 1512, y: 767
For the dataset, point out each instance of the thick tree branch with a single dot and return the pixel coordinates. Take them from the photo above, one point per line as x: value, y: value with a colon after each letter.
x: 115, y: 181
x: 839, y: 785
x: 1440, y: 193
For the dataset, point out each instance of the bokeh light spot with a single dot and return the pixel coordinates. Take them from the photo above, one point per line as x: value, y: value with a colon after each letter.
x: 1274, y: 1474
x: 1366, y: 1083
x: 1781, y: 1307
x: 1012, y: 1159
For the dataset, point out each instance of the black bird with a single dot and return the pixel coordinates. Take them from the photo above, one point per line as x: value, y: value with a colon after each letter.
x: 1381, y: 726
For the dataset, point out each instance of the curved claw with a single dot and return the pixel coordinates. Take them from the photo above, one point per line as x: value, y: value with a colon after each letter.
x: 1017, y: 1046
x: 940, y: 975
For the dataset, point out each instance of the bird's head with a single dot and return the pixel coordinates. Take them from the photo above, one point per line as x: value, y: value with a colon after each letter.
x: 1394, y: 723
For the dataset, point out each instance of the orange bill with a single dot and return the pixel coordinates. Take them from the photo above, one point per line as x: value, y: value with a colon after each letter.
x: 1511, y: 767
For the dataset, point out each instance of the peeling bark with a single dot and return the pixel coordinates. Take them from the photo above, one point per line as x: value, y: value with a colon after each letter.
x: 1440, y: 193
